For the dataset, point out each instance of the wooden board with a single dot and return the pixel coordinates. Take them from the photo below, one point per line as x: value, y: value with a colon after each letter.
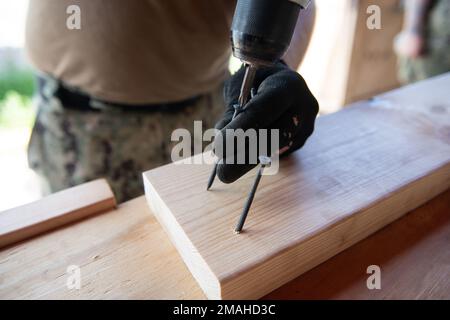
x: 54, y: 211
x: 373, y: 62
x: 413, y: 254
x: 346, y: 61
x: 365, y: 167
x: 122, y: 253
x: 125, y: 254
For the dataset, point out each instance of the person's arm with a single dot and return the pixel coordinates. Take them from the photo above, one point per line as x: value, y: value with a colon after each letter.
x: 301, y: 37
x: 415, y: 15
x: 411, y: 41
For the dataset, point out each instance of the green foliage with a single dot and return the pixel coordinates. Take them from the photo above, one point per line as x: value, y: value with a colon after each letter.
x: 14, y: 78
x: 16, y: 91
x: 16, y: 111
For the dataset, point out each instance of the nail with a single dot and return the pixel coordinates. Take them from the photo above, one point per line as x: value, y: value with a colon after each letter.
x: 264, y: 161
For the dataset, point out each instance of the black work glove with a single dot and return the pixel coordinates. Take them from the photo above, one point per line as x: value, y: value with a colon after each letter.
x: 282, y: 101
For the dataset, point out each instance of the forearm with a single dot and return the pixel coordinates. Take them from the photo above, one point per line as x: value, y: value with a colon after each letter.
x: 416, y: 12
x: 301, y: 37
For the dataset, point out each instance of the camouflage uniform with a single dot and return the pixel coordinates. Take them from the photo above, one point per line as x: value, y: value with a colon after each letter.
x: 437, y: 57
x: 70, y: 146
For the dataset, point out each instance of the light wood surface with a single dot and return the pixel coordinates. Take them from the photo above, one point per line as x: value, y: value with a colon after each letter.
x: 373, y: 63
x: 125, y: 254
x: 364, y: 167
x: 54, y: 211
x: 413, y: 254
x: 346, y: 61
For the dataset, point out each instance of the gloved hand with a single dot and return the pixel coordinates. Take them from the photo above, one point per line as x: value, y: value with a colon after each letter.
x: 282, y: 101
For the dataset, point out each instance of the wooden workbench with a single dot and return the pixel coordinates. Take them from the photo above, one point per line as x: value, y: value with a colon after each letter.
x: 124, y: 253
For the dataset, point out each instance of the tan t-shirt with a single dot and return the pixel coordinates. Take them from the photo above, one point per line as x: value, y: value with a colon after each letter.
x: 133, y: 51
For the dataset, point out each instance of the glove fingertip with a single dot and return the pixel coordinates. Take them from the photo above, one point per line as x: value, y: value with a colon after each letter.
x: 222, y: 124
x: 224, y: 175
x: 229, y: 173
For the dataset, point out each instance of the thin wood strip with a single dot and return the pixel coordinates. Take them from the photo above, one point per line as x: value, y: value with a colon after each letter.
x: 55, y: 211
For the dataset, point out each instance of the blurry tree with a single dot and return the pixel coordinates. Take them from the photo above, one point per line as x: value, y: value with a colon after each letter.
x: 16, y: 90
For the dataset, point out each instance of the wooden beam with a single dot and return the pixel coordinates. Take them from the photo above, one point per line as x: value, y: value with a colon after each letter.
x: 365, y: 167
x: 373, y: 63
x: 125, y: 254
x: 54, y: 211
x: 122, y: 254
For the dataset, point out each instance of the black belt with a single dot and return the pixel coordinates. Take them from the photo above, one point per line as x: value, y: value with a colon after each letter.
x: 71, y: 99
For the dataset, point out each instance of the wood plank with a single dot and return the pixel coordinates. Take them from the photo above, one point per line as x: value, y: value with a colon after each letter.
x: 122, y: 254
x: 125, y: 254
x: 54, y: 211
x: 373, y: 62
x: 327, y: 62
x: 346, y: 61
x: 413, y: 254
x: 365, y: 167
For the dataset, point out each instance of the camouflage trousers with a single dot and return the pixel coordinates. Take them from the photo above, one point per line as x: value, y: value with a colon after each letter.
x: 435, y: 62
x: 69, y: 147
x: 436, y: 59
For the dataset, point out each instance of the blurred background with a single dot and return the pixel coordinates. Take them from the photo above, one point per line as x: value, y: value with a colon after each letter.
x: 18, y: 184
x: 345, y: 62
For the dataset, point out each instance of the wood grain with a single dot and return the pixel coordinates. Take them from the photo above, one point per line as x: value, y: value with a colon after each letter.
x: 365, y: 167
x: 413, y: 254
x: 54, y: 211
x: 125, y: 254
x: 373, y: 63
